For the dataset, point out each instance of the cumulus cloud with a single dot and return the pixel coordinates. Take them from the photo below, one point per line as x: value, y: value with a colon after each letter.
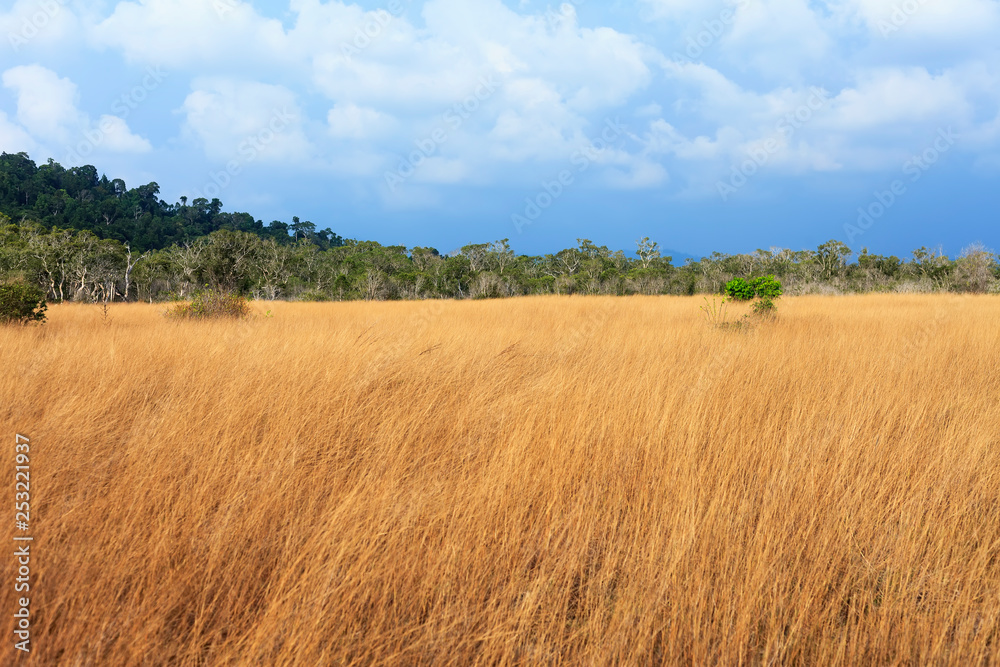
x: 48, y: 113
x: 13, y: 138
x: 923, y: 19
x: 192, y: 33
x: 118, y: 138
x: 401, y: 68
x: 33, y: 26
x: 46, y: 103
x: 349, y: 121
x: 235, y: 120
x: 779, y: 38
x: 894, y: 97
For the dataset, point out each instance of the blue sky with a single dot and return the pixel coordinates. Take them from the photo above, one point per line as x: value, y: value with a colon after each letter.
x: 707, y: 125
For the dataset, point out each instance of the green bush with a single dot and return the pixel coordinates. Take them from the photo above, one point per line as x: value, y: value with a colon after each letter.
x: 212, y: 305
x: 21, y: 304
x: 766, y: 287
x: 740, y: 289
x: 763, y: 287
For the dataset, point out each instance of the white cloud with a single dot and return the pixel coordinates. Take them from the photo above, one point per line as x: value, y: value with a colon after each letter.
x: 33, y: 26
x: 591, y: 69
x: 779, y: 38
x: 641, y: 174
x: 46, y: 104
x: 13, y: 139
x: 235, y: 120
x: 923, y: 20
x: 47, y: 110
x: 349, y: 121
x: 532, y: 81
x: 664, y: 139
x: 896, y: 97
x: 193, y: 33
x: 677, y: 10
x: 118, y: 138
x: 535, y: 124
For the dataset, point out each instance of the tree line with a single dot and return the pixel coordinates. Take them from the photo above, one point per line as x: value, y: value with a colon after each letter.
x: 81, y: 237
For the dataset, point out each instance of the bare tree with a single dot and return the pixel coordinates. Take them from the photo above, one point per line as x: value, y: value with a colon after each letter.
x: 477, y: 255
x: 374, y: 284
x: 500, y: 255
x: 54, y: 254
x: 272, y: 262
x: 130, y: 265
x: 188, y: 258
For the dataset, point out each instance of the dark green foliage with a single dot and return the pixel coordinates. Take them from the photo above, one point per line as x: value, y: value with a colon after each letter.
x: 889, y: 267
x: 78, y: 198
x: 213, y: 304
x: 21, y: 304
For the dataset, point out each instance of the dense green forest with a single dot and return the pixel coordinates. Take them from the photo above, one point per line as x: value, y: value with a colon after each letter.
x: 84, y: 237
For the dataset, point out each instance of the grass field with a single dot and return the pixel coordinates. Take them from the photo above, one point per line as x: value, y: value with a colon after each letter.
x: 538, y: 480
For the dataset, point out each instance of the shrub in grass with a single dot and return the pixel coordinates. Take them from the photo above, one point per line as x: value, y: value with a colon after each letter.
x: 764, y: 307
x: 213, y: 305
x: 740, y: 289
x: 765, y: 289
x: 21, y: 304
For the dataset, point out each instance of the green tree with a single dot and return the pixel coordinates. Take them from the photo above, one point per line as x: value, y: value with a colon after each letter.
x: 21, y: 303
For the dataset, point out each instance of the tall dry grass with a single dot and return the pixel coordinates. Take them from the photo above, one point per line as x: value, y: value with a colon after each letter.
x: 543, y: 480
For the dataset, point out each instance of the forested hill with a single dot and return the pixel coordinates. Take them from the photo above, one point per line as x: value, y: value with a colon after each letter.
x: 77, y: 198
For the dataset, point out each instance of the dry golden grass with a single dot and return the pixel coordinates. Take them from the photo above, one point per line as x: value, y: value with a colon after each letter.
x: 561, y: 480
